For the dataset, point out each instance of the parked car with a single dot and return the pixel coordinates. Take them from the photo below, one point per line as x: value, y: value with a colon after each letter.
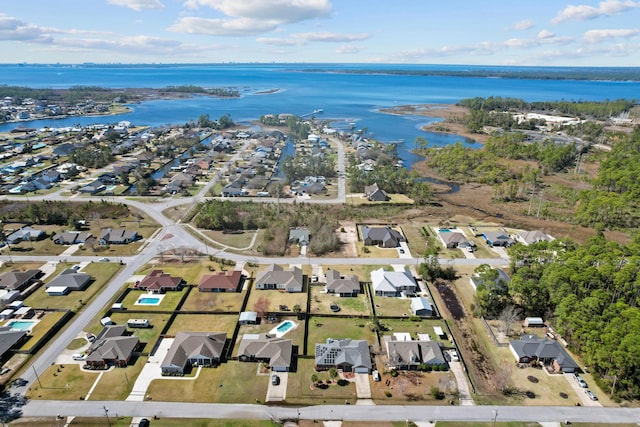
x: 401, y: 251
x: 144, y: 422
x: 591, y: 395
x: 581, y: 382
x: 5, y: 371
x: 454, y: 356
x: 105, y: 260
x: 275, y: 380
x: 376, y: 375
x: 78, y: 356
x: 90, y: 337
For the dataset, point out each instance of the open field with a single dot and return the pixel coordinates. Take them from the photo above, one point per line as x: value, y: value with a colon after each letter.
x: 412, y: 388
x: 300, y: 390
x: 277, y: 298
x: 233, y: 240
x: 392, y: 306
x: 116, y: 383
x: 321, y: 301
x: 169, y: 301
x: 321, y: 328
x: 414, y: 327
x: 62, y: 382
x: 213, y: 301
x: 204, y: 323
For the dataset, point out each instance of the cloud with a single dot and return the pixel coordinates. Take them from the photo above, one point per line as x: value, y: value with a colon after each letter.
x: 597, y: 36
x: 283, y: 11
x: 15, y: 29
x: 299, y: 39
x: 138, y: 5
x: 522, y: 25
x: 222, y: 27
x: 585, y: 12
x: 349, y: 49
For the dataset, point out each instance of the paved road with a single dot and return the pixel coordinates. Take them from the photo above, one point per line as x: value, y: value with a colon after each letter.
x: 333, y: 412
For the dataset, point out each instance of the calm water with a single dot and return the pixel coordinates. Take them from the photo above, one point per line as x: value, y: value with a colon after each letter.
x: 343, y: 97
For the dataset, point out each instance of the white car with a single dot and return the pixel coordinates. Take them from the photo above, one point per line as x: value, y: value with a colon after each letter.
x: 454, y: 356
x: 78, y: 356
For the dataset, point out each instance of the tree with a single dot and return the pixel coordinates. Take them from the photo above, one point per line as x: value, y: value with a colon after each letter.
x: 262, y: 306
x: 333, y: 373
x: 314, y: 378
x: 508, y: 317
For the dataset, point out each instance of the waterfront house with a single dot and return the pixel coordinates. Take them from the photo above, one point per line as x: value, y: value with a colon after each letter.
x: 193, y: 349
x: 373, y: 193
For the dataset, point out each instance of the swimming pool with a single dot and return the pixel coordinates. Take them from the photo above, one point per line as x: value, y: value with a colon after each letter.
x: 283, y: 328
x: 21, y: 325
x: 149, y: 300
x: 444, y: 230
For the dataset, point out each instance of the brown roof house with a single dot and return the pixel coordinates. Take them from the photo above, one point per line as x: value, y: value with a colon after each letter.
x: 158, y: 282
x: 275, y: 277
x: 112, y: 348
x: 262, y: 348
x: 19, y: 280
x: 344, y: 286
x: 221, y: 282
x: 193, y: 349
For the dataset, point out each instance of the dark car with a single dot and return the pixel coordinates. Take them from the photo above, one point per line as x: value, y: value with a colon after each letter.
x: 144, y: 422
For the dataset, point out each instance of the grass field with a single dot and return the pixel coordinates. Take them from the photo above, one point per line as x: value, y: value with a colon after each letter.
x: 299, y: 390
x: 422, y: 326
x: 321, y: 328
x: 116, y: 384
x: 204, y: 323
x: 412, y: 388
x: 392, y: 306
x: 169, y: 301
x: 320, y: 303
x: 276, y: 298
x: 62, y: 382
x: 213, y: 301
x: 236, y: 241
x: 146, y: 335
x: 41, y: 328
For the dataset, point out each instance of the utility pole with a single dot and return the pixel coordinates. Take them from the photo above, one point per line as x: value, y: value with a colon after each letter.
x: 37, y: 377
x: 540, y: 203
x: 106, y: 414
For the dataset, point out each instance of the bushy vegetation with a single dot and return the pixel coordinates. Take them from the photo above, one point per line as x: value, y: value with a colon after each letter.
x: 59, y: 213
x: 593, y: 291
x: 297, y: 127
x: 224, y: 122
x: 300, y: 166
x: 91, y: 156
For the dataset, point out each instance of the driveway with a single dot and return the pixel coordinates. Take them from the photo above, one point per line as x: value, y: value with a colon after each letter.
x: 278, y: 393
x: 463, y: 385
x: 150, y: 371
x: 363, y: 386
x: 584, y: 399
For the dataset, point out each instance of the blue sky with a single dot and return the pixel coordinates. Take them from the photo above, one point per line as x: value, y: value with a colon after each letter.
x: 496, y: 32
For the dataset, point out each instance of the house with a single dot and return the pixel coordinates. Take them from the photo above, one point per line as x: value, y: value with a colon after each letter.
x: 421, y: 306
x: 530, y: 348
x: 385, y: 237
x: 157, y: 281
x: 452, y: 239
x: 71, y: 237
x: 275, y: 277
x: 344, y: 286
x: 345, y: 354
x: 299, y: 236
x: 19, y: 280
x: 409, y: 354
x: 109, y: 236
x: 234, y: 189
x: 9, y: 339
x: 93, y: 187
x: 70, y: 279
x: 193, y: 349
x: 58, y: 291
x: 222, y: 282
x: 248, y: 318
x: 276, y: 352
x: 500, y: 282
x: 51, y: 175
x: 531, y: 237
x: 64, y: 149
x: 111, y: 348
x: 393, y: 283
x: 373, y: 193
x: 497, y: 238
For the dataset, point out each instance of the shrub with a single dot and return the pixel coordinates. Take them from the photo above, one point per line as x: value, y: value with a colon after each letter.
x: 387, y: 393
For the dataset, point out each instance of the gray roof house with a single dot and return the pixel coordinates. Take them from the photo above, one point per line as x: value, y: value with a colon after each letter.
x: 19, y: 280
x: 275, y: 277
x: 112, y: 348
x: 497, y: 238
x: 408, y: 355
x: 345, y: 354
x: 299, y: 236
x: 193, y: 349
x: 550, y: 352
x: 393, y: 283
x: 8, y: 339
x: 452, y: 239
x: 385, y: 237
x: 71, y: 279
x: 421, y: 306
x: 344, y: 286
x: 373, y: 193
x: 259, y: 347
x: 71, y: 237
x: 530, y: 237
x: 25, y: 234
x: 109, y: 236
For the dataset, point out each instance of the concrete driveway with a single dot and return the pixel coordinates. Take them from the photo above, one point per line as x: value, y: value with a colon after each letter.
x: 584, y: 399
x: 363, y: 386
x: 278, y: 393
x: 463, y: 385
x: 150, y: 371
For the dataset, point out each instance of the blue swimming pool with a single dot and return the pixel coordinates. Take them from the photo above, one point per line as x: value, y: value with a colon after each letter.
x: 285, y: 326
x: 21, y: 325
x: 149, y: 300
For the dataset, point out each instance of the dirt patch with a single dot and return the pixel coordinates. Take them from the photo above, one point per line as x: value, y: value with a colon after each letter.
x: 348, y: 235
x: 450, y: 299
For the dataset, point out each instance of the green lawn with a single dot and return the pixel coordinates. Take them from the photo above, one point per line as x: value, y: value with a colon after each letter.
x: 204, y: 323
x: 320, y: 303
x: 237, y: 241
x: 213, y: 301
x: 276, y: 298
x: 392, y: 306
x: 299, y: 390
x: 321, y: 328
x: 42, y: 327
x: 169, y: 301
x: 62, y: 383
x: 191, y: 272
x: 146, y: 335
x: 116, y: 384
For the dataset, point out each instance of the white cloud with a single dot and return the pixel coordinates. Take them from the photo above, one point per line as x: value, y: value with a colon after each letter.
x: 15, y: 29
x: 222, y: 27
x: 584, y: 12
x: 274, y: 41
x: 348, y: 49
x: 138, y: 5
x: 522, y: 25
x: 284, y: 11
x: 299, y: 39
x: 596, y: 36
